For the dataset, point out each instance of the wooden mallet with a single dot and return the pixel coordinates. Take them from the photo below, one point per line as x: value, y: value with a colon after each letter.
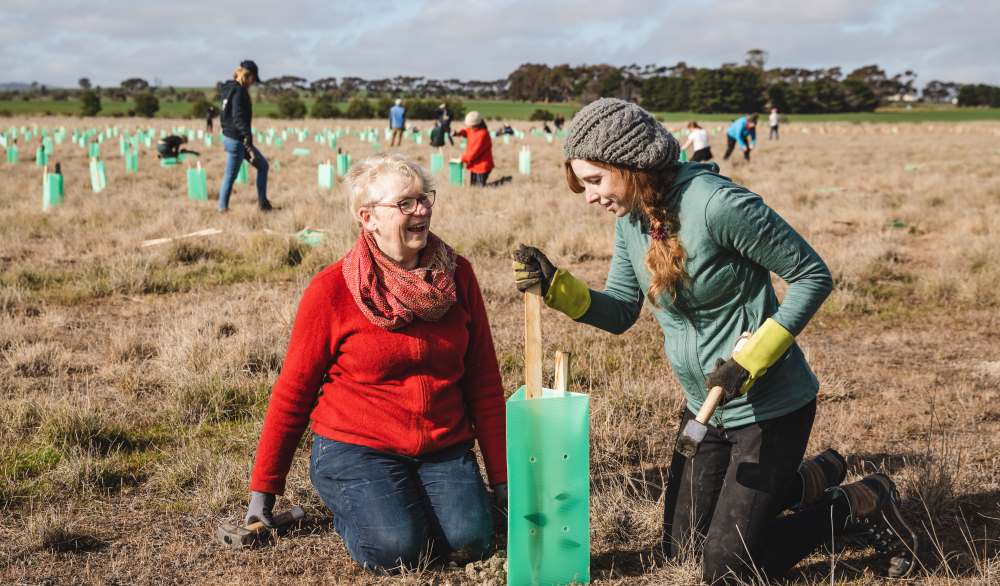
x: 696, y: 429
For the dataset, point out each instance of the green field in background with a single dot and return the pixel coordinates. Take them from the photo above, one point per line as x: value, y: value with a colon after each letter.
x: 509, y: 110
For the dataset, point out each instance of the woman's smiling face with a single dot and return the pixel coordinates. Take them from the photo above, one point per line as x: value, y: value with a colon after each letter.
x: 601, y: 187
x: 400, y: 236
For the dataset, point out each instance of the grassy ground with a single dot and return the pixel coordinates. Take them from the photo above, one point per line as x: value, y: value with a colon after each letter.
x: 134, y: 379
x: 509, y: 110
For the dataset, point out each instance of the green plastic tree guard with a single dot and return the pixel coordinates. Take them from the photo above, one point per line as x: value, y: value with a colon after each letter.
x: 131, y: 161
x: 456, y: 172
x: 524, y: 161
x: 197, y: 184
x: 94, y: 150
x: 548, y: 475
x: 47, y: 145
x: 437, y: 162
x: 52, y: 191
x: 343, y: 163
x: 98, y: 178
x: 41, y: 157
x: 243, y: 176
x: 325, y: 176
x: 12, y: 154
x: 310, y: 237
x: 684, y: 156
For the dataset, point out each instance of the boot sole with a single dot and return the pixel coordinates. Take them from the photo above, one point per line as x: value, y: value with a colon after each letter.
x: 901, y: 564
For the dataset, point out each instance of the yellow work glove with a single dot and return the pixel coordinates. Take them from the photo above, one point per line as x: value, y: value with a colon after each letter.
x: 764, y: 348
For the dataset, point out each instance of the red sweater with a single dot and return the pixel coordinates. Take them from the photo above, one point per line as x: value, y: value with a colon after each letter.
x: 416, y: 390
x: 478, y: 155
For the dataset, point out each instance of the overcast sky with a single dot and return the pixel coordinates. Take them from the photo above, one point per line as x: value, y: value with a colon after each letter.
x: 197, y: 42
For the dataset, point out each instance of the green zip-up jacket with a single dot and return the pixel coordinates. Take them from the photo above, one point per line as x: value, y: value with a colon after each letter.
x: 733, y: 241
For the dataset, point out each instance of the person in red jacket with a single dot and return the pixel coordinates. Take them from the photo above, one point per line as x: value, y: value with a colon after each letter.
x: 478, y: 155
x: 392, y: 360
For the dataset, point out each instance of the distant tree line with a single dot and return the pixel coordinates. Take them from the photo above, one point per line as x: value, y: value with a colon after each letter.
x: 979, y: 95
x: 733, y: 87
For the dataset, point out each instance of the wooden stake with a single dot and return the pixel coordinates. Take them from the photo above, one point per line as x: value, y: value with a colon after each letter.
x: 562, y: 371
x: 533, y: 342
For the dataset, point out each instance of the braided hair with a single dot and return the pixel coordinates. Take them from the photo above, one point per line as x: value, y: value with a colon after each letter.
x: 646, y: 193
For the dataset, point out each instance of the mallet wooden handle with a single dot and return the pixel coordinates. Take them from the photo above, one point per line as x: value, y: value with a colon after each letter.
x: 708, y: 407
x: 533, y: 342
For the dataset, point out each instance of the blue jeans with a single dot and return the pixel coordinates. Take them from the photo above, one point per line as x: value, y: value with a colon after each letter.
x: 393, y: 511
x: 236, y: 154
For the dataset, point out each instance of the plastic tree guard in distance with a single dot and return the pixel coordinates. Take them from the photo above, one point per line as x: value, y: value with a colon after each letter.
x: 524, y: 161
x: 437, y: 162
x: 324, y: 176
x: 343, y: 163
x: 197, y: 183
x: 242, y: 176
x: 52, y: 190
x: 456, y: 172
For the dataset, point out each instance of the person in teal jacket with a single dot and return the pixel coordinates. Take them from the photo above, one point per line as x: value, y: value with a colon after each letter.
x: 700, y: 249
x: 742, y: 132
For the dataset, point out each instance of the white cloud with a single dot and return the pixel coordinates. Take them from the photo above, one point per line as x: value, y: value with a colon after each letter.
x: 194, y: 42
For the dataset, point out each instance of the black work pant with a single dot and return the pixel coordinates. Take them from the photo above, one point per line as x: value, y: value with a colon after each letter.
x: 730, y: 144
x: 728, y: 498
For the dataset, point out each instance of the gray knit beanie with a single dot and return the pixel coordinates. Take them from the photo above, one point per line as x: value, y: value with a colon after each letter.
x: 617, y: 132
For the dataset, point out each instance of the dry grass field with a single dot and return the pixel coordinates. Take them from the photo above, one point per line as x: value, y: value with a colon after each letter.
x: 133, y: 380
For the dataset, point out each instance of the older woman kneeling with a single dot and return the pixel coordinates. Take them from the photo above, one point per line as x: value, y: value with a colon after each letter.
x: 392, y: 359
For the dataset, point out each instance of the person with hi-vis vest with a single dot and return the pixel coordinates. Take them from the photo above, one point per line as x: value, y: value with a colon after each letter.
x: 700, y: 248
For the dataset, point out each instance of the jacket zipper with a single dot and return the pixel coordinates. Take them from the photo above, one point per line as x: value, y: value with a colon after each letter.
x: 691, y: 333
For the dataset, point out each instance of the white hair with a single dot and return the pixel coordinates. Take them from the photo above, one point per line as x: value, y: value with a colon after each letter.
x: 364, y: 187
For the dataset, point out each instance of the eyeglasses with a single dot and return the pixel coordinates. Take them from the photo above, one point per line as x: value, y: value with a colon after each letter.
x: 408, y: 205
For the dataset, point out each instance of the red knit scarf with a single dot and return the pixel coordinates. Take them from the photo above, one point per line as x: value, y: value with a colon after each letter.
x: 391, y: 296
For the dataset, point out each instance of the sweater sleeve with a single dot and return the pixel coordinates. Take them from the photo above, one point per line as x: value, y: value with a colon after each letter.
x: 739, y: 220
x: 310, y: 350
x: 242, y: 113
x: 476, y: 150
x: 617, y: 307
x: 482, y: 386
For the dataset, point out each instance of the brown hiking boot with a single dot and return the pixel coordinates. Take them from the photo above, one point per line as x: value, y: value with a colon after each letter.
x: 875, y: 515
x: 823, y: 471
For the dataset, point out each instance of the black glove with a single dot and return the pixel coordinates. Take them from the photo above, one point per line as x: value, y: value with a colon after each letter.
x: 248, y: 153
x: 500, y: 507
x: 729, y: 375
x: 532, y: 267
